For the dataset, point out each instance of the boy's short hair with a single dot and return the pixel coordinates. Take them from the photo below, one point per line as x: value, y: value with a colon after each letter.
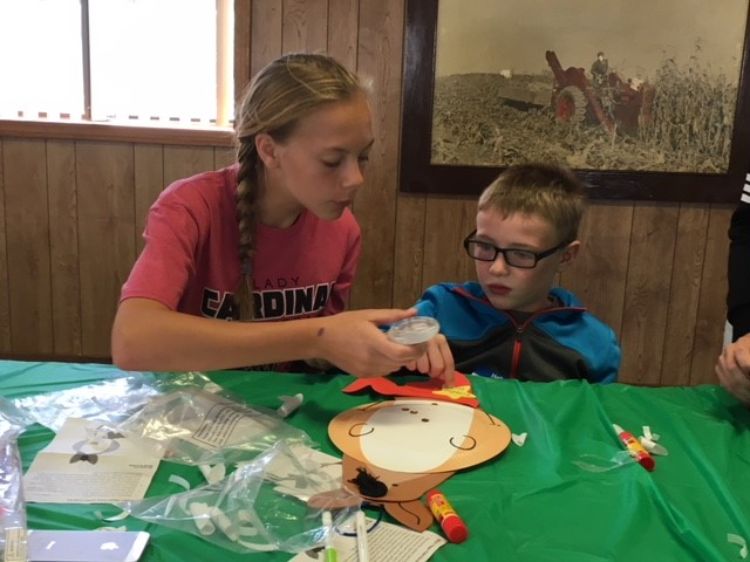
x: 550, y: 191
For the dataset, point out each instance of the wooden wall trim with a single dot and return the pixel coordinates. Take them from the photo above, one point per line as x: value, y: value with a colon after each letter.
x: 215, y: 136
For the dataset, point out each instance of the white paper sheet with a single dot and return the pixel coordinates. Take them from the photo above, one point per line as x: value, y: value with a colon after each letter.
x: 387, y: 543
x: 87, y: 462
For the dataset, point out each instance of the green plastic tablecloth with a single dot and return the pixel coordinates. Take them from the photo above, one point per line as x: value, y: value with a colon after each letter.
x: 535, y: 503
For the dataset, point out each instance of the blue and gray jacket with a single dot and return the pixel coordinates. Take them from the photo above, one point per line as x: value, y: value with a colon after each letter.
x: 563, y: 342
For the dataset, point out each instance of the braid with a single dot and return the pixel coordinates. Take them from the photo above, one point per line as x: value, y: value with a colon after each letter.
x: 247, y: 197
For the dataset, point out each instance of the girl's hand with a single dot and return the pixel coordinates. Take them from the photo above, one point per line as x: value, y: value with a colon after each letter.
x: 354, y: 342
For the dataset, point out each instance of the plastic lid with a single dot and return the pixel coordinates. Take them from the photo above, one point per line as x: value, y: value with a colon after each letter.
x: 417, y: 329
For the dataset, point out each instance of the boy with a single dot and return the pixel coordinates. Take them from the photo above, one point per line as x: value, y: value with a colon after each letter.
x: 512, y: 324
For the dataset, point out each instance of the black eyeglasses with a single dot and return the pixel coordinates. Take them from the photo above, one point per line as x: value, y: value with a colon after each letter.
x: 525, y: 259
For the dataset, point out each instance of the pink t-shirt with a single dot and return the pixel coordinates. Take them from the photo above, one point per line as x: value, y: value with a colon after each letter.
x: 190, y: 262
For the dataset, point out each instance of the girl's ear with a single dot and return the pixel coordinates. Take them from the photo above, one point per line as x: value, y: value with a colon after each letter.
x: 267, y: 150
x: 569, y: 254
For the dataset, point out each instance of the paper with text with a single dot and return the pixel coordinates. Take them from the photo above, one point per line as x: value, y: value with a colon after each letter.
x: 387, y: 543
x: 88, y: 462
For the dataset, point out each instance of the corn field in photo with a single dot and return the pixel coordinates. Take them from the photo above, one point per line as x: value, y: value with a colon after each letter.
x: 477, y: 122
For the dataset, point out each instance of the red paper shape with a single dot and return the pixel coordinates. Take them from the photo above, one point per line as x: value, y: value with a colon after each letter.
x: 461, y: 392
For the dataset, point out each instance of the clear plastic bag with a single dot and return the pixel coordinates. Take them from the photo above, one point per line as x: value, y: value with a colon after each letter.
x: 12, y: 505
x: 110, y: 401
x: 245, y: 512
x: 196, y: 427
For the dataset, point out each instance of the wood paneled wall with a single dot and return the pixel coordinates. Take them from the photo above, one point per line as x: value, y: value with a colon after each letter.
x: 72, y: 213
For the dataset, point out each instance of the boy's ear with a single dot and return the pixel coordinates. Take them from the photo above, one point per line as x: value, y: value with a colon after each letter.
x: 569, y: 254
x: 267, y: 150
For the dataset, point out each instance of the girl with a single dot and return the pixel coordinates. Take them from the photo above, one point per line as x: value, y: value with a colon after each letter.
x: 270, y: 238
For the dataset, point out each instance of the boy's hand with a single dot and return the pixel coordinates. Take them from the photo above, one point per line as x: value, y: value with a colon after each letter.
x: 436, y: 361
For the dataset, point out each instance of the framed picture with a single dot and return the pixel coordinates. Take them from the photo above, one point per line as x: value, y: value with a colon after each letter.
x: 644, y: 100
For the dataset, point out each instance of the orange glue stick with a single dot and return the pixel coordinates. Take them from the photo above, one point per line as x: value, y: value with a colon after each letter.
x: 636, y: 450
x: 452, y: 525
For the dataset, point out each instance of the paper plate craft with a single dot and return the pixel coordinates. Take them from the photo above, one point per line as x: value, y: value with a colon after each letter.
x: 396, y: 451
x: 461, y: 392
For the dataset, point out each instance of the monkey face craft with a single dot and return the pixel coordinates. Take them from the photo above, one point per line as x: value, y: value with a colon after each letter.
x: 396, y: 451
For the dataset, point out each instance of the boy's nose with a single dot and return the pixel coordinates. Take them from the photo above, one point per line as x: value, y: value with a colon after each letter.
x: 499, y: 266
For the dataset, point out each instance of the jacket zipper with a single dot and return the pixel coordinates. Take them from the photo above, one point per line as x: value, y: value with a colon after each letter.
x: 520, y: 329
x: 517, y: 345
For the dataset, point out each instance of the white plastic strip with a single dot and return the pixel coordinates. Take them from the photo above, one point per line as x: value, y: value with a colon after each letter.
x: 213, y: 474
x: 648, y: 440
x: 289, y: 404
x: 649, y: 435
x: 739, y: 541
x: 224, y: 523
x: 180, y: 481
x: 119, y: 517
x: 600, y: 464
x: 257, y: 546
x: 519, y: 438
x: 653, y: 448
x: 251, y: 521
x: 202, y: 518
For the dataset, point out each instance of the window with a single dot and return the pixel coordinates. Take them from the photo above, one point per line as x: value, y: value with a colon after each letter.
x: 117, y: 61
x: 40, y: 57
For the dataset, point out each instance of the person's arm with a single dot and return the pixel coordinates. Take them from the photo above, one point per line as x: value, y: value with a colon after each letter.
x: 738, y: 297
x: 341, y: 289
x: 149, y: 336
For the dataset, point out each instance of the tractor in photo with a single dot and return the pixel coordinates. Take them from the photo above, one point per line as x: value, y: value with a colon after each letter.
x: 615, y: 104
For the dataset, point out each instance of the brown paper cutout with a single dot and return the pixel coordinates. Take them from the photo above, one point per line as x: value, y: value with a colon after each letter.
x: 403, y: 434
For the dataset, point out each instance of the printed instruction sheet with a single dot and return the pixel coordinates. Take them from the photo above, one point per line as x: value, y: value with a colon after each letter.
x: 87, y: 462
x: 386, y: 543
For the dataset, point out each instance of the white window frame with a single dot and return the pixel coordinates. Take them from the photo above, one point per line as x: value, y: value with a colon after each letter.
x: 187, y: 133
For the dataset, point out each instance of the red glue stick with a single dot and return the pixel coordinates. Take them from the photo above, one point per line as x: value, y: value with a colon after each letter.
x: 452, y: 525
x: 636, y: 450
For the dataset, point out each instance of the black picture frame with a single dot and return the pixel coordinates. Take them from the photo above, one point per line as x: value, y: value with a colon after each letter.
x: 419, y: 175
